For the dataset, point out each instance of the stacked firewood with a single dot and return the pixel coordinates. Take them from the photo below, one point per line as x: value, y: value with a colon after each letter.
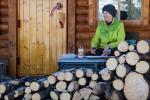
x: 129, y: 71
x: 126, y: 76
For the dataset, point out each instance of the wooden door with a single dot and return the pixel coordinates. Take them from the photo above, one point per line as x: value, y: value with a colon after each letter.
x: 42, y: 40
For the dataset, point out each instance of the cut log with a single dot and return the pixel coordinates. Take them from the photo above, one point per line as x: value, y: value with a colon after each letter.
x: 94, y: 77
x: 39, y: 84
x: 122, y: 59
x: 85, y: 93
x: 19, y: 92
x: 94, y: 97
x: 65, y: 96
x: 118, y: 84
x: 28, y: 96
x: 9, y: 96
x: 27, y: 84
x: 136, y: 88
x: 98, y: 90
x: 40, y: 95
x: 61, y: 76
x: 121, y: 71
x: 69, y: 76
x: 132, y: 58
x: 116, y: 53
x: 15, y: 94
x: 123, y: 46
x: 52, y: 80
x: 79, y: 73
x: 61, y: 86
x: 105, y: 74
x: 89, y: 73
x: 77, y: 96
x: 143, y: 47
x: 73, y: 86
x: 7, y: 86
x: 82, y: 81
x: 111, y: 63
x: 54, y: 95
x: 131, y: 47
x: 46, y: 84
x: 92, y: 84
x: 28, y: 90
x: 142, y: 67
x: 117, y: 96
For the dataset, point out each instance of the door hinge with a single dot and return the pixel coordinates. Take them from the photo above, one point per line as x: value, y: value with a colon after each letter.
x: 18, y: 23
x: 18, y: 60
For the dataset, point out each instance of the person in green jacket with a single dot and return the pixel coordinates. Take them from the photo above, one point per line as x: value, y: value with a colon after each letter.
x: 109, y: 33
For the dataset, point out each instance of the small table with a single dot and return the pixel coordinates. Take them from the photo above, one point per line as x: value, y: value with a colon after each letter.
x: 69, y: 63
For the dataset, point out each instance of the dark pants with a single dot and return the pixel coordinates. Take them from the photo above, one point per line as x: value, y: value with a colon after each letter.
x: 99, y: 52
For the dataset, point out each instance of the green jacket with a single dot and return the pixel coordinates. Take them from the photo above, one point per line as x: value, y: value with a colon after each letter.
x: 110, y: 35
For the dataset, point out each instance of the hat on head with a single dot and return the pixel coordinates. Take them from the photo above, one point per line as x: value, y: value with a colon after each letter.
x: 110, y: 8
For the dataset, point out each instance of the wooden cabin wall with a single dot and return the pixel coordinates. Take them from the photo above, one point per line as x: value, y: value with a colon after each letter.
x: 8, y: 33
x: 84, y: 34
x: 3, y: 27
x: 41, y: 39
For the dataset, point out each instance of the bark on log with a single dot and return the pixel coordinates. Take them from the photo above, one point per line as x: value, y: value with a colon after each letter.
x: 143, y: 47
x: 40, y: 95
x: 8, y: 86
x: 136, y: 88
x: 65, y: 96
x: 98, y: 90
x: 123, y: 46
x: 19, y: 92
x: 142, y: 67
x: 105, y: 74
x: 61, y: 86
x: 118, y: 84
x: 15, y: 94
x: 132, y: 58
x: 85, y: 93
x: 111, y: 63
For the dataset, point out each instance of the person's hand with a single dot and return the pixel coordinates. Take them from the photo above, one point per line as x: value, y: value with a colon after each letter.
x: 93, y: 51
x: 106, y: 51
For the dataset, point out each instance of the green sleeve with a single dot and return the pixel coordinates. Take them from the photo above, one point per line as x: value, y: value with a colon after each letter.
x: 120, y: 37
x: 95, y: 40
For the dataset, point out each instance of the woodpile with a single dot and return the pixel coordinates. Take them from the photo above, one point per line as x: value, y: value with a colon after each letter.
x: 126, y: 76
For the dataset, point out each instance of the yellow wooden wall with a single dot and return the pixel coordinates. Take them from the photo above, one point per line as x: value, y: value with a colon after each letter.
x: 41, y: 40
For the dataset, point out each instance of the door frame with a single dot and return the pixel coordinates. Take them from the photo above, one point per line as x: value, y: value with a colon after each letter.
x: 12, y: 36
